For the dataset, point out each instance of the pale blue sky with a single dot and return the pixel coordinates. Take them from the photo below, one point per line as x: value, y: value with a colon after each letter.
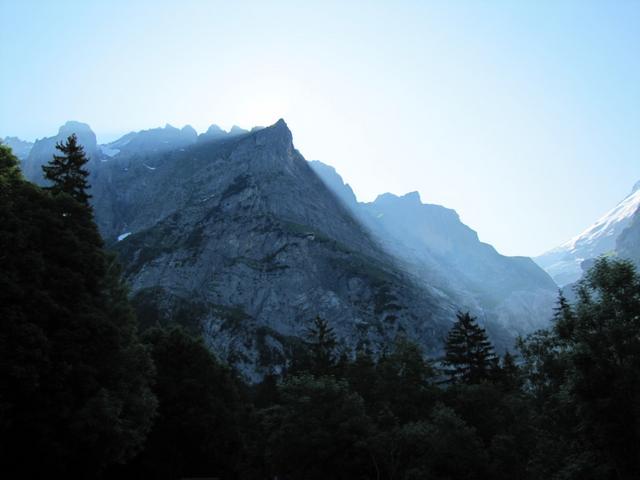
x: 522, y: 116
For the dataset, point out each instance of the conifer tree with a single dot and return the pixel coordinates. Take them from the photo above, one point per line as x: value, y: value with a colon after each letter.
x: 509, y: 374
x: 322, y: 343
x: 469, y: 355
x: 67, y: 171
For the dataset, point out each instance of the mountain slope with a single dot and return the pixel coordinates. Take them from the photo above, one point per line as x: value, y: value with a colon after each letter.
x: 438, y: 248
x: 564, y: 263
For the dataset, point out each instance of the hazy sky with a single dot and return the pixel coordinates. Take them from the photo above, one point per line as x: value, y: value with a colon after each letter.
x: 523, y: 116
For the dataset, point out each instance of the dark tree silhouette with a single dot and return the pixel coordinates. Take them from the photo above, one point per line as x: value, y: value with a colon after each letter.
x: 67, y: 172
x: 469, y: 355
x: 75, y: 380
x: 322, y: 344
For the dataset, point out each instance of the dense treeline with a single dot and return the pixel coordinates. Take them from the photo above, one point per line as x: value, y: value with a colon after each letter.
x: 75, y: 390
x: 84, y: 394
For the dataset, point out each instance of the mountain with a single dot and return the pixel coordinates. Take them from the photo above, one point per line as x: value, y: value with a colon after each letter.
x: 21, y: 148
x: 158, y: 140
x: 437, y: 247
x: 237, y: 236
x: 565, y: 263
x: 241, y: 239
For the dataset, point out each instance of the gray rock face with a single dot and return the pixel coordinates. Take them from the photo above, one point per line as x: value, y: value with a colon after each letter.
x: 241, y: 237
x: 438, y: 248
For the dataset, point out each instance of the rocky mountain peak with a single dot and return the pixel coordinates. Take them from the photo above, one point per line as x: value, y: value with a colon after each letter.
x: 86, y: 136
x: 411, y: 198
x: 189, y: 132
x: 215, y: 130
x: 236, y: 130
x: 277, y: 135
x: 74, y: 127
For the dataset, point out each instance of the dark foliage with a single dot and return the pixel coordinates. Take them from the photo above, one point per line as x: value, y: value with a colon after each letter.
x: 584, y: 376
x: 318, y: 430
x: 469, y: 355
x: 75, y: 393
x: 197, y: 429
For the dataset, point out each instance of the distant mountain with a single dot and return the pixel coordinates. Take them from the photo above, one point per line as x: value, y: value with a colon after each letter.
x: 565, y: 263
x: 236, y: 235
x: 437, y: 247
x: 141, y: 144
x: 155, y: 140
x: 21, y: 148
x: 158, y: 140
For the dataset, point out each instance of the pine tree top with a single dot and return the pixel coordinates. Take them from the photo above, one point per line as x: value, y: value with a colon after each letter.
x: 67, y: 172
x: 469, y: 355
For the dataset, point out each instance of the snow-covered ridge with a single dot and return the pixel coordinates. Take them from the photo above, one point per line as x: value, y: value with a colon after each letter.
x: 610, y: 224
x: 564, y: 263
